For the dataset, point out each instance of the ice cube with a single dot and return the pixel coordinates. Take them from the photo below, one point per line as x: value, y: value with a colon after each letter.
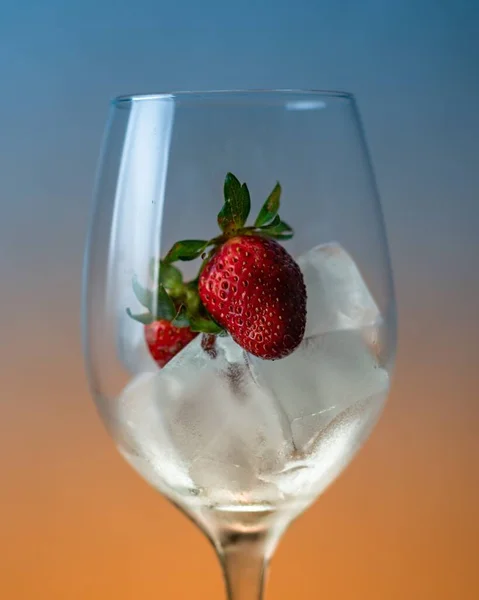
x: 208, y: 418
x: 322, y: 378
x: 224, y: 419
x: 248, y: 436
x: 338, y: 297
x: 142, y: 436
x: 330, y: 451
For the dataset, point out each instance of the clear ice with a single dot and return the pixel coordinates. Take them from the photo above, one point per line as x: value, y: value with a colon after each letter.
x: 235, y: 429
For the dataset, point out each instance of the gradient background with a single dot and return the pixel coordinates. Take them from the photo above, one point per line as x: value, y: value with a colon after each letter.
x: 403, y: 521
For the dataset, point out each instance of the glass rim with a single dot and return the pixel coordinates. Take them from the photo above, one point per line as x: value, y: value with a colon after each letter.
x: 257, y: 96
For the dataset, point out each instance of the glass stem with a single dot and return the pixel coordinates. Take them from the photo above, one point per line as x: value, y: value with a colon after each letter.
x: 244, y: 563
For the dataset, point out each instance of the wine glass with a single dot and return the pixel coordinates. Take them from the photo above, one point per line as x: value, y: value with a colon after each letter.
x: 239, y: 314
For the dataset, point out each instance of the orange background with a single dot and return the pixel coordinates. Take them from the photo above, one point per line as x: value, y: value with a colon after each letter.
x: 402, y: 522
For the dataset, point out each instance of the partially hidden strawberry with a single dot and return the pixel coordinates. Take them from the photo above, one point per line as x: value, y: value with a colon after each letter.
x: 164, y: 340
x: 254, y: 289
x: 166, y: 331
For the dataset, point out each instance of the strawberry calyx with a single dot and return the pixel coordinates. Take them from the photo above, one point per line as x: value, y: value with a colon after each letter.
x: 172, y: 299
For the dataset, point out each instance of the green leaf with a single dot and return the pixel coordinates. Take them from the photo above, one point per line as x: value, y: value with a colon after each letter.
x: 164, y: 309
x: 279, y: 231
x: 186, y: 250
x: 270, y: 208
x: 246, y: 203
x: 170, y: 276
x: 204, y: 325
x: 146, y: 318
x: 282, y: 236
x: 225, y: 218
x: 193, y: 301
x: 237, y: 204
x: 143, y: 295
x: 274, y: 223
x: 181, y: 319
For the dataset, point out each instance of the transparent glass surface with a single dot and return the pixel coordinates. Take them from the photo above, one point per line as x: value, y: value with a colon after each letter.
x: 241, y: 444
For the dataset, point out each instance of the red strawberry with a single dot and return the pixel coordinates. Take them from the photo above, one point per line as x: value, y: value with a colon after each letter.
x: 248, y: 285
x: 253, y: 288
x: 165, y: 340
